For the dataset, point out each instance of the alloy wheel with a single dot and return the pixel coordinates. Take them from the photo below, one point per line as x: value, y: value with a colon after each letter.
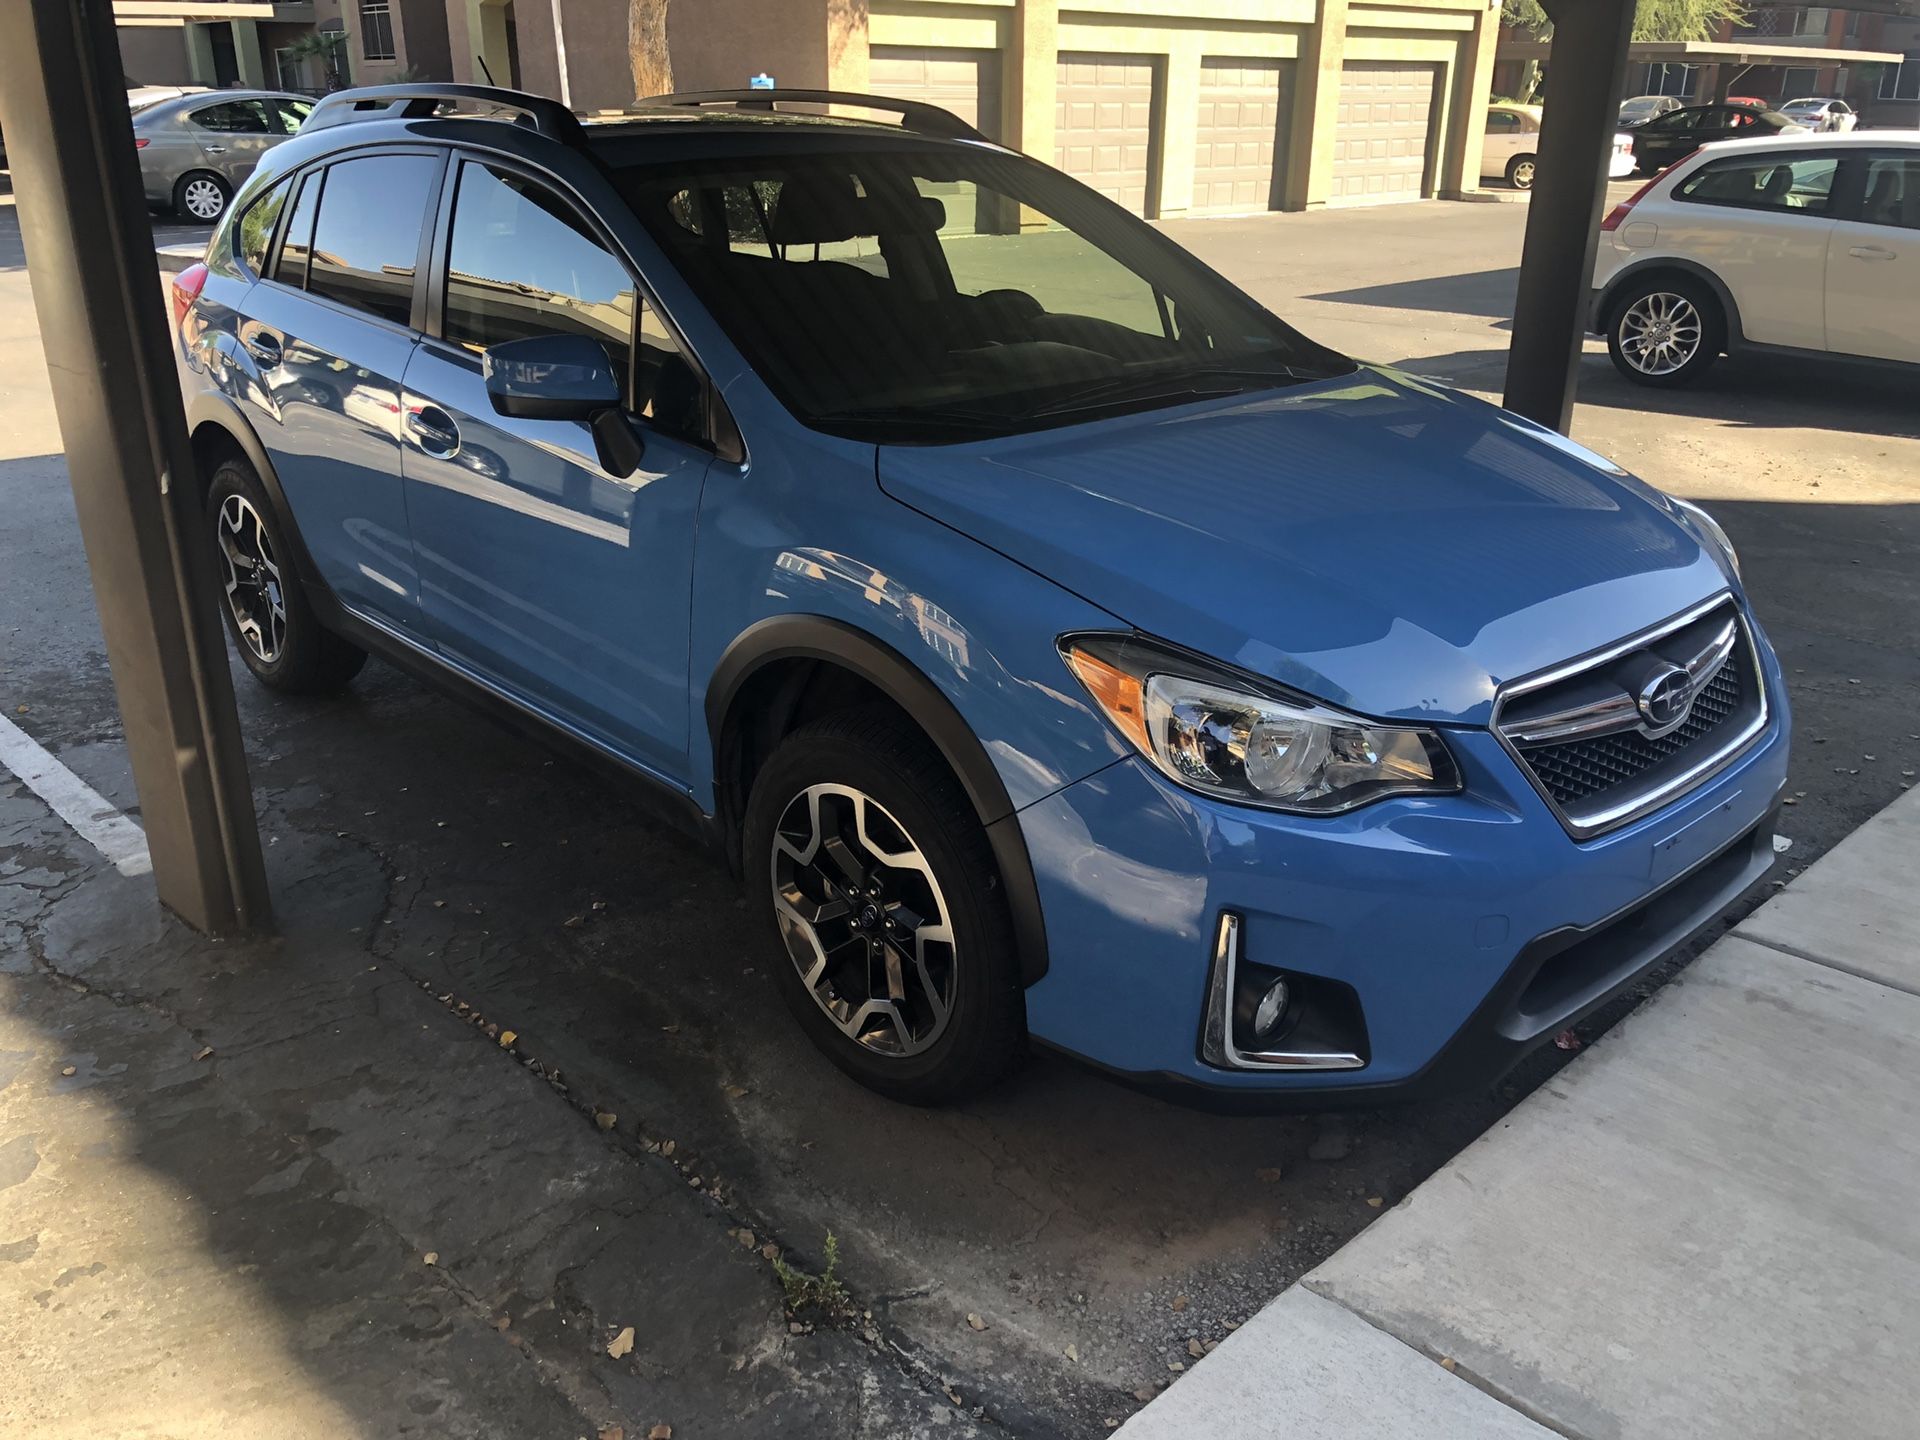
x: 1523, y: 175
x: 1659, y: 333
x: 253, y: 582
x: 203, y: 198
x: 864, y: 920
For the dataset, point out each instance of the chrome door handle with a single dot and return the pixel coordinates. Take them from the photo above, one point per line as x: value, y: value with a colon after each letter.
x: 433, y: 431
x: 214, y: 149
x: 264, y: 346
x: 1871, y: 252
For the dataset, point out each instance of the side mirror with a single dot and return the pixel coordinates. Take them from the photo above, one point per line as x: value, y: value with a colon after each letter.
x: 550, y: 377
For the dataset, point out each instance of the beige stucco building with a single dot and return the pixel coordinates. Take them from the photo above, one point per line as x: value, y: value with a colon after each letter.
x: 1171, y: 107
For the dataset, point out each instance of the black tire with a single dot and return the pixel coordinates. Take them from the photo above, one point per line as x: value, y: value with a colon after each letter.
x: 1520, y: 171
x: 305, y: 658
x: 877, y: 753
x: 1669, y: 295
x: 188, y: 191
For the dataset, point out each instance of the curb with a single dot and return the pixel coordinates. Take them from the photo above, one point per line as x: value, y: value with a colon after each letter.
x: 175, y: 258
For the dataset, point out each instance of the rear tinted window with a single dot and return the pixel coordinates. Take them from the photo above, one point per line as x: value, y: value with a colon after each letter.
x: 366, y: 242
x: 256, y: 227
x: 1775, y: 182
x: 291, y: 268
x: 236, y: 117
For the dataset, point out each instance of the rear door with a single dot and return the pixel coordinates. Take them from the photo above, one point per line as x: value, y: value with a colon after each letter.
x: 232, y: 136
x: 329, y: 330
x: 1506, y: 136
x: 1761, y: 222
x: 1873, y: 262
x: 564, y: 585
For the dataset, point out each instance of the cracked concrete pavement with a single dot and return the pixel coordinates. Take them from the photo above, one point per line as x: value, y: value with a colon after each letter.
x: 1064, y: 1212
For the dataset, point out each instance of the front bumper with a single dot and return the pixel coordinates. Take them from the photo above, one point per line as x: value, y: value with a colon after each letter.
x: 1470, y: 928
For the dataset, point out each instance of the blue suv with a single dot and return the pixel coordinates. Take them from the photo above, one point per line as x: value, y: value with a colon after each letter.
x: 1063, y: 649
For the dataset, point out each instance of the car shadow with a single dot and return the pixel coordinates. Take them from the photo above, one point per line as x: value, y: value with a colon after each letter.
x: 1485, y: 293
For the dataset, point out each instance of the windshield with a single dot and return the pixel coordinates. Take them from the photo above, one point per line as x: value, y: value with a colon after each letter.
x: 923, y: 294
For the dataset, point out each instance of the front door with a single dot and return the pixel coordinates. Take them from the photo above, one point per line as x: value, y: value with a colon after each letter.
x: 330, y: 330
x: 232, y: 136
x: 558, y: 582
x: 1873, y: 264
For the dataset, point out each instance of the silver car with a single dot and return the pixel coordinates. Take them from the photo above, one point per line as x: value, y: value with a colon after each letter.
x: 196, y: 150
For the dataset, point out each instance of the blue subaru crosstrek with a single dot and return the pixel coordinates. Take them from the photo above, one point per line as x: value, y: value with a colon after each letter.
x: 1064, y: 649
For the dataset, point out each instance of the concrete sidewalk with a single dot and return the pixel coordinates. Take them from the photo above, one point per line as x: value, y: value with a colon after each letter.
x: 1704, y: 1227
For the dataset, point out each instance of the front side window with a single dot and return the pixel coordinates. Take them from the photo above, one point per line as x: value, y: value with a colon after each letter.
x: 1893, y: 191
x: 926, y: 294
x: 236, y: 117
x: 366, y: 239
x: 522, y: 263
x: 1802, y: 185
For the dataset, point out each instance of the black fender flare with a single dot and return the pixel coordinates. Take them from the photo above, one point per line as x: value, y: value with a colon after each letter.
x: 815, y: 637
x: 1693, y: 270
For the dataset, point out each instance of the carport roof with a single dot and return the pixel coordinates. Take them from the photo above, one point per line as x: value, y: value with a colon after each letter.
x: 1709, y: 52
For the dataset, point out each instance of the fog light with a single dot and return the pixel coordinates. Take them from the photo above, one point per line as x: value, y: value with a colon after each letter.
x: 1271, y: 1010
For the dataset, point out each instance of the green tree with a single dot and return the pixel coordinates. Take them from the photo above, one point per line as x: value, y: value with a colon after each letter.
x: 1652, y: 20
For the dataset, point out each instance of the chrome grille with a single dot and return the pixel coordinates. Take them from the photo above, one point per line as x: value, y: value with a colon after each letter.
x: 1592, y: 747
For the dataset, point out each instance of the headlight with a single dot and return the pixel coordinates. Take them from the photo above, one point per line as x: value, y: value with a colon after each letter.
x: 1234, y: 737
x: 1710, y: 531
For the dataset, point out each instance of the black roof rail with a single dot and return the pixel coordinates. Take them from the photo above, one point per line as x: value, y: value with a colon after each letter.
x: 412, y: 102
x: 915, y: 115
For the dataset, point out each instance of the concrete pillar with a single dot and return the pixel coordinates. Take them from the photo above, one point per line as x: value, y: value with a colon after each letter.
x: 247, y: 57
x: 1316, y: 109
x: 847, y: 52
x: 1467, y: 127
x: 1180, y: 96
x: 199, y: 44
x: 1032, y: 78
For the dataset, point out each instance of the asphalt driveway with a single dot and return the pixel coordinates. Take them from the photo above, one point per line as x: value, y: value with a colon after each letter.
x: 1100, y: 1238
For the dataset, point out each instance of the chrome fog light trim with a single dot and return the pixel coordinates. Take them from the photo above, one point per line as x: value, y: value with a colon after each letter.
x: 1216, y: 1038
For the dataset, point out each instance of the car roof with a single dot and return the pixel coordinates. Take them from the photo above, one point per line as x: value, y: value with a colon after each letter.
x: 1849, y: 140
x: 196, y: 99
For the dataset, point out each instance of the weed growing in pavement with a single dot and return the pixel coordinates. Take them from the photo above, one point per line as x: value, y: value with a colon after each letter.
x: 823, y: 1291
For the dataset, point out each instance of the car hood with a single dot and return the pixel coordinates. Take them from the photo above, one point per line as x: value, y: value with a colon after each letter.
x: 1376, y: 541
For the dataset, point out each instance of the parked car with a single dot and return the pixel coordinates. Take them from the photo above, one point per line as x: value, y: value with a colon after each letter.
x: 1065, y: 649
x: 1834, y: 117
x: 1809, y: 246
x: 1512, y: 146
x: 1641, y: 108
x: 1659, y: 143
x: 197, y: 149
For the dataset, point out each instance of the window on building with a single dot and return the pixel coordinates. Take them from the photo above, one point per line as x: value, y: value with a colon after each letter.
x: 376, y: 29
x: 1800, y: 186
x: 366, y: 241
x: 1902, y: 81
x: 1800, y: 80
x: 1670, y: 80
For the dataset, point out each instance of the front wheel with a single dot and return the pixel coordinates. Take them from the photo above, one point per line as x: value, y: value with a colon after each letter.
x: 1520, y: 172
x: 875, y: 878
x: 1665, y: 331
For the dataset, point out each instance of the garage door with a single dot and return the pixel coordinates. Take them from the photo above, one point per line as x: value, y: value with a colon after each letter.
x: 1103, y: 125
x: 1381, y: 139
x: 1245, y: 106
x: 967, y: 82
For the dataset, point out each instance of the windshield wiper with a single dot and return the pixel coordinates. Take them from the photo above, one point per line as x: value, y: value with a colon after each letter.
x: 1187, y: 383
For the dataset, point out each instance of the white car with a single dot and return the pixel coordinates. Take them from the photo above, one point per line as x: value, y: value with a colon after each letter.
x: 1511, y: 151
x: 1808, y: 244
x: 1834, y: 117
